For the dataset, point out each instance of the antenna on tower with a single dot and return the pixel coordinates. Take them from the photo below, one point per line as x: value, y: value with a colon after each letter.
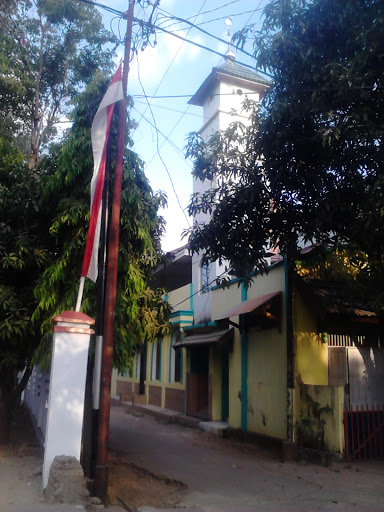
x: 229, y: 54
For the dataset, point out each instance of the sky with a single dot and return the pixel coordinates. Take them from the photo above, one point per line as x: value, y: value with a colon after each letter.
x: 172, y: 68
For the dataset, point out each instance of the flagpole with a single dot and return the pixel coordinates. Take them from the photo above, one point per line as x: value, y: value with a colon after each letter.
x: 101, y: 473
x: 80, y: 294
x: 99, y: 326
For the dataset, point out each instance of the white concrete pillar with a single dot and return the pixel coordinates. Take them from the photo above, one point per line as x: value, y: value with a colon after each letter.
x: 71, y: 336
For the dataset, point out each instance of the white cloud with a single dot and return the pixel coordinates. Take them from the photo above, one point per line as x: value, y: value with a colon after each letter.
x: 194, y: 51
x: 154, y: 61
x: 166, y: 4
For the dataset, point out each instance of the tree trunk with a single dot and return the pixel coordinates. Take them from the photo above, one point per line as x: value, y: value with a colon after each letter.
x: 19, y: 388
x: 33, y: 159
x: 5, y: 414
x: 10, y: 391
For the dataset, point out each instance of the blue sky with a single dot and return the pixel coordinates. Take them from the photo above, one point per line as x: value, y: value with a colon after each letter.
x: 173, y: 68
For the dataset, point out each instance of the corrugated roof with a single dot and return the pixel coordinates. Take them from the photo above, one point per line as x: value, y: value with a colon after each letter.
x: 250, y: 305
x: 229, y: 68
x: 233, y: 68
x: 206, y: 338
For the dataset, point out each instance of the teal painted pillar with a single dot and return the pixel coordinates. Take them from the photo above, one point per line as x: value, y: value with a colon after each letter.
x: 244, y: 365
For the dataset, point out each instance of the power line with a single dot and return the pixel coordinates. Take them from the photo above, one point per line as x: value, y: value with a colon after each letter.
x: 166, y: 139
x: 150, y: 25
x: 233, y: 15
x: 201, y: 289
x: 168, y: 68
x: 102, y: 6
x: 253, y: 13
x: 174, y: 96
x: 372, y: 88
x: 166, y: 108
x: 158, y: 149
x: 205, y: 47
x: 217, y: 8
x: 192, y: 25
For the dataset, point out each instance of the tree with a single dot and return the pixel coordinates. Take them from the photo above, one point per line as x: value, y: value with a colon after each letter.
x: 310, y: 165
x: 54, y: 63
x: 141, y: 314
x: 49, y: 52
x: 24, y: 251
x: 45, y: 217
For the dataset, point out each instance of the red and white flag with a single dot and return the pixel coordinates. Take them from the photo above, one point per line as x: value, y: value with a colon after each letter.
x: 100, y: 134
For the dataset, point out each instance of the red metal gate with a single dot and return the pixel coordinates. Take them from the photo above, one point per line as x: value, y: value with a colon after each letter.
x: 364, y: 432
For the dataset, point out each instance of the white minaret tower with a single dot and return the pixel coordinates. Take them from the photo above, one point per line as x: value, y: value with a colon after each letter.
x: 221, y: 95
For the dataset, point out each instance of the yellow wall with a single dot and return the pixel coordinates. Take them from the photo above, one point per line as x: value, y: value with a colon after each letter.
x: 176, y: 296
x: 164, y: 382
x: 320, y: 417
x: 267, y: 365
x: 311, y: 353
x: 272, y: 282
x: 215, y: 375
x: 267, y: 383
x: 235, y: 381
x: 224, y: 299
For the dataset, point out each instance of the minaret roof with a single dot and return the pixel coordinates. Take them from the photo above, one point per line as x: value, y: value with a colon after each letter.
x: 239, y: 74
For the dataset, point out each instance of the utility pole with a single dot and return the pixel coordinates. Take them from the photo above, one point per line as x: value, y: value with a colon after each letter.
x: 101, y: 473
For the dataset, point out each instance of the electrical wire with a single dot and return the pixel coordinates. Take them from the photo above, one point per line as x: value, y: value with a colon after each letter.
x: 167, y: 108
x: 158, y: 150
x: 205, y: 12
x: 175, y: 96
x: 168, y: 68
x: 193, y: 25
x: 251, y: 16
x: 152, y: 26
x: 216, y: 8
x: 102, y: 6
x: 233, y: 15
x: 201, y: 289
x: 166, y: 139
x: 372, y: 88
x: 205, y: 47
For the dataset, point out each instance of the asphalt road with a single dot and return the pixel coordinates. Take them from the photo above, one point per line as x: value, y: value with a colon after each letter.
x: 229, y: 476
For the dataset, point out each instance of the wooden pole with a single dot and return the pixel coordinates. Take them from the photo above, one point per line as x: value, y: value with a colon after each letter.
x: 101, y: 473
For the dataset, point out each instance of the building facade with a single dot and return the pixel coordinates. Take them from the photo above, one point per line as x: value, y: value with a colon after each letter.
x: 274, y: 360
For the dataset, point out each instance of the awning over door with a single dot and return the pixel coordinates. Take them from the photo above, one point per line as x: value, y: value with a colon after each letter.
x: 265, y: 309
x: 206, y: 338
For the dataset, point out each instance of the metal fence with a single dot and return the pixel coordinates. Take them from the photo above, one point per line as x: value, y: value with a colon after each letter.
x: 364, y: 432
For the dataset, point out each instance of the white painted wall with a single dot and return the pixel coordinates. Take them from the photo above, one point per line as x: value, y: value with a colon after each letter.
x: 66, y: 396
x: 218, y: 115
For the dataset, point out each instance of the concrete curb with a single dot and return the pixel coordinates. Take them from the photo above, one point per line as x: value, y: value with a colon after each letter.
x: 163, y: 414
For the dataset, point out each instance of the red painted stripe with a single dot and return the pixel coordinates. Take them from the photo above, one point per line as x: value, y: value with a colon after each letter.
x: 117, y: 76
x: 92, y: 244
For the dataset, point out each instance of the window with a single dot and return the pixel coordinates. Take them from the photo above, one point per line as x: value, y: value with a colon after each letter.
x: 156, y: 361
x: 175, y: 360
x: 205, y: 276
